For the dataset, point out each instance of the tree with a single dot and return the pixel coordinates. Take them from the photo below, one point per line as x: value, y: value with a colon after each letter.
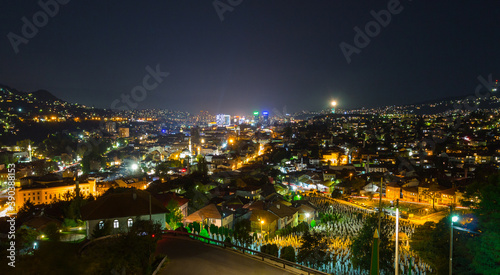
x: 133, y: 252
x: 271, y: 249
x: 42, y: 167
x: 314, y: 249
x: 196, y: 227
x: 27, y: 210
x: 431, y: 241
x: 242, y: 232
x: 26, y: 236
x: 336, y: 194
x: 288, y: 253
x: 362, y: 245
x: 432, y: 193
x: 486, y: 247
x: 202, y: 165
x: 313, y: 223
x: 174, y: 216
x: 214, y: 229
x: 357, y: 184
x: 52, y: 231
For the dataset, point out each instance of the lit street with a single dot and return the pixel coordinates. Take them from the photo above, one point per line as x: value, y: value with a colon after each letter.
x: 191, y: 257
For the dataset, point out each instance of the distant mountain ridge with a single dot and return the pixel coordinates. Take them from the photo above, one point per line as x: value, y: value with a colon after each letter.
x: 42, y: 95
x: 45, y: 96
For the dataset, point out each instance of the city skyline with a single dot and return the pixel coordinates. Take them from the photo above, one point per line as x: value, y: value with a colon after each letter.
x: 249, y: 56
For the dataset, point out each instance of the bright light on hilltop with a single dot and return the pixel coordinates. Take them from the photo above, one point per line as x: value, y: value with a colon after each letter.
x: 334, y: 103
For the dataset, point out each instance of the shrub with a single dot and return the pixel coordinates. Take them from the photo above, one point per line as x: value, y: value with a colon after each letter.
x: 52, y: 231
x: 288, y: 253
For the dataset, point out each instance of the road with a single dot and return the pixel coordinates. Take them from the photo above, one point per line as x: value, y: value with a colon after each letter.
x: 191, y: 257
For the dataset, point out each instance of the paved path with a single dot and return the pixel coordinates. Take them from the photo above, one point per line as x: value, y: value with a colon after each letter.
x: 191, y: 257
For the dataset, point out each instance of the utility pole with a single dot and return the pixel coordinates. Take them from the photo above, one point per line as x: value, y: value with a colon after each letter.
x: 380, y: 205
x: 396, y: 260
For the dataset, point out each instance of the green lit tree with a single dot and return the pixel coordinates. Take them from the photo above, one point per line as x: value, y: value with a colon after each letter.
x: 174, y: 217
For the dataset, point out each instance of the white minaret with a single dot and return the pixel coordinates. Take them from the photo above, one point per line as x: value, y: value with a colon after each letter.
x: 29, y: 150
x: 190, y: 151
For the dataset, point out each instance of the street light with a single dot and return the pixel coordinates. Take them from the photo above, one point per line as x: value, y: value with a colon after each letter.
x: 261, y: 223
x: 453, y: 219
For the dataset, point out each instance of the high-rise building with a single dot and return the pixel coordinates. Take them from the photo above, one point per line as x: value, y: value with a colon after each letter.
x: 265, y: 118
x: 223, y: 120
x: 227, y: 120
x: 110, y: 126
x: 256, y: 117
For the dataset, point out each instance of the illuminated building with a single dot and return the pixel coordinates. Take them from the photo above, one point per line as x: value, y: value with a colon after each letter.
x: 265, y: 117
x: 256, y: 117
x: 45, y: 193
x: 223, y: 120
x: 123, y: 132
x: 110, y: 126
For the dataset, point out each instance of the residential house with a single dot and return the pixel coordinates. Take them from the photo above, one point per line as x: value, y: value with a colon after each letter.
x: 212, y: 214
x: 122, y: 210
x: 393, y: 191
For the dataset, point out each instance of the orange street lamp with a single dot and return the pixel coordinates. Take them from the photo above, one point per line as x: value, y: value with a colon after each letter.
x: 261, y: 223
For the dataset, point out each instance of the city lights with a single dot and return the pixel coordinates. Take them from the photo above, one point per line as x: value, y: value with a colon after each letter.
x: 364, y: 167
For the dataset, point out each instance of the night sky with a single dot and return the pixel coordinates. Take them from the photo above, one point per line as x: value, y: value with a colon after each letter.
x: 263, y: 55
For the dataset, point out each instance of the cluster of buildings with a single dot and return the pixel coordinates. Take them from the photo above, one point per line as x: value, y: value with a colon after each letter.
x: 418, y: 158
